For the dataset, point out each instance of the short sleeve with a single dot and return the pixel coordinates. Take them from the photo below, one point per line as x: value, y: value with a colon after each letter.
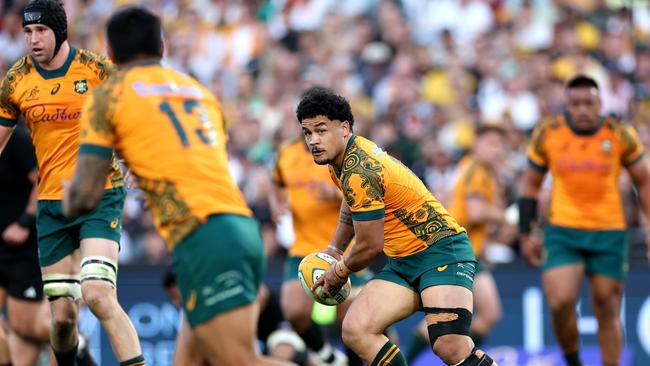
x: 97, y: 132
x: 276, y: 174
x: 476, y: 182
x: 537, y: 157
x: 335, y: 180
x: 9, y: 112
x: 108, y: 65
x: 632, y: 148
x: 363, y: 190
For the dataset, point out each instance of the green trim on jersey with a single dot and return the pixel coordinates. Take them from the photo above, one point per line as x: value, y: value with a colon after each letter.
x: 368, y: 215
x: 347, y: 146
x: 56, y: 73
x: 591, y: 132
x: 627, y: 165
x: 101, y: 151
x: 8, y: 122
x: 537, y: 167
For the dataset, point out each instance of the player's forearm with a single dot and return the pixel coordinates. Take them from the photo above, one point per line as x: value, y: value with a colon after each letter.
x: 479, y: 212
x: 5, y: 134
x: 80, y: 200
x: 529, y: 192
x: 344, y: 230
x: 495, y: 215
x: 278, y: 201
x: 27, y: 218
x: 369, y: 243
x: 644, y: 196
x: 342, y: 237
x: 531, y: 184
x: 33, y: 197
x: 87, y: 187
x: 362, y: 254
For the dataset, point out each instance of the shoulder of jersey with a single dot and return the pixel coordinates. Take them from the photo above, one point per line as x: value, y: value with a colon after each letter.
x: 552, y: 123
x: 472, y: 169
x: 100, y: 65
x: 20, y: 68
x: 288, y: 144
x: 614, y: 124
x: 468, y: 163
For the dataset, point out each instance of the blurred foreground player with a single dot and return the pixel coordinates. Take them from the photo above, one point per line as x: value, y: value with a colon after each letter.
x: 78, y: 257
x: 170, y: 132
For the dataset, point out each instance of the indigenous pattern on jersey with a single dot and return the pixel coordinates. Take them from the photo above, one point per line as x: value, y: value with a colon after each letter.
x: 314, y: 218
x: 474, y: 180
x: 585, y: 167
x: 376, y: 185
x: 170, y: 132
x: 51, y: 103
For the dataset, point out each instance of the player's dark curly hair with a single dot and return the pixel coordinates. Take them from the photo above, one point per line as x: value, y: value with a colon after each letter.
x: 132, y: 32
x: 319, y: 101
x: 581, y: 81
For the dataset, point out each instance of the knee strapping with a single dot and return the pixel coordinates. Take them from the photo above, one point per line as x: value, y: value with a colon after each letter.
x: 61, y: 285
x: 99, y: 268
x: 444, y: 321
x: 474, y: 360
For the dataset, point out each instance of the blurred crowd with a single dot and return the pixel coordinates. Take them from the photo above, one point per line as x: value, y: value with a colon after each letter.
x: 421, y: 76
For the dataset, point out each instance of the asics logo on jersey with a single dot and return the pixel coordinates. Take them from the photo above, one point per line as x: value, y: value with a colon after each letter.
x: 442, y: 268
x: 55, y: 89
x: 114, y: 223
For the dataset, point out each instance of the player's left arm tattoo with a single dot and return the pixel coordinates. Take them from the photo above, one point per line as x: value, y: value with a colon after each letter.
x: 344, y: 231
x: 87, y: 187
x: 345, y: 218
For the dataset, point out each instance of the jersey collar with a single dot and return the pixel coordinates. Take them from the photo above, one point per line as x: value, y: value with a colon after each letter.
x: 347, y: 147
x: 144, y: 63
x: 56, y: 73
x: 591, y: 132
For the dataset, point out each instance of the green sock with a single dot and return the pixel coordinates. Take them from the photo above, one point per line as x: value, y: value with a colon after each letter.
x: 313, y: 337
x: 353, y: 358
x: 66, y: 358
x: 417, y: 345
x: 573, y: 359
x: 389, y: 355
x: 135, y: 361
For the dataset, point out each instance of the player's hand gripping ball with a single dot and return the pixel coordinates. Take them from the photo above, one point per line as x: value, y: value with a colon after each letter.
x: 311, y: 268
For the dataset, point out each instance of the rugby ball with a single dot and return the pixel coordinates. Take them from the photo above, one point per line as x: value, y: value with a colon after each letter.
x: 311, y: 268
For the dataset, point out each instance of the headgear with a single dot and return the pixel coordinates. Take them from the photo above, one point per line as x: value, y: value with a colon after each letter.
x: 51, y: 14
